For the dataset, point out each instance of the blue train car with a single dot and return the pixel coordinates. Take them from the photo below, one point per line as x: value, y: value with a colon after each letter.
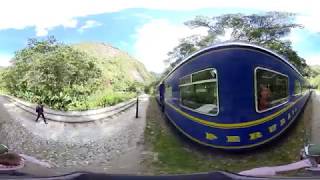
x: 233, y: 96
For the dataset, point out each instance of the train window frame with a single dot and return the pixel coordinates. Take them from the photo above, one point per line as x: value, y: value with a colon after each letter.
x: 255, y: 89
x: 167, y: 95
x: 294, y: 88
x: 190, y: 79
x: 200, y: 82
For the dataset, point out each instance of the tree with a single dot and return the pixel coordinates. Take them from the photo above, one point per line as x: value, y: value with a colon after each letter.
x: 2, y: 84
x: 53, y: 73
x: 267, y: 30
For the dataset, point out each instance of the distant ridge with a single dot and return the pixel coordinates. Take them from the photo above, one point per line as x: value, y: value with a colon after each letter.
x: 116, y: 64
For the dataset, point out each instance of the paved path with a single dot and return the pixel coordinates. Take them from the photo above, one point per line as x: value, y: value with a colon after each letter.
x: 109, y: 145
x: 315, y: 118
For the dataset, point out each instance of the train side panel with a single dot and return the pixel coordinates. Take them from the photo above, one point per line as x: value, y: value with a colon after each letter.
x: 237, y: 124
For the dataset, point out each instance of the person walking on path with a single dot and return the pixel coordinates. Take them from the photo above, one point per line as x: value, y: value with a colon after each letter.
x: 39, y: 110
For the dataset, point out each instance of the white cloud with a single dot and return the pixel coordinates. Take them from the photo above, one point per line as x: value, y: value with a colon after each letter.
x: 156, y: 38
x: 45, y: 15
x: 89, y: 24
x: 313, y: 59
x: 226, y: 36
x: 295, y: 37
x: 5, y: 60
x: 310, y: 21
x: 40, y: 31
x: 70, y: 23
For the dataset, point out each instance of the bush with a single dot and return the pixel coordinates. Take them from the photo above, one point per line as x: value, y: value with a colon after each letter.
x: 65, y: 78
x: 3, y: 89
x: 115, y: 98
x: 102, y: 98
x: 53, y: 73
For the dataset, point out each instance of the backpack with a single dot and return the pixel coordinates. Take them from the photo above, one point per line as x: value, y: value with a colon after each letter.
x: 37, y: 108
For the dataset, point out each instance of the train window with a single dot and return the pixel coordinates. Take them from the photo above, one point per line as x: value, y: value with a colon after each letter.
x: 168, y: 92
x: 271, y: 89
x: 185, y: 80
x: 203, y: 75
x: 297, y: 87
x: 201, y: 95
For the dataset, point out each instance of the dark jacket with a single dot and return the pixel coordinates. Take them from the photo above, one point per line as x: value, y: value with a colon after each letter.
x: 39, y: 109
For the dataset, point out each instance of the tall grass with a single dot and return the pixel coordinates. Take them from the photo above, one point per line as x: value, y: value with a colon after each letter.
x: 100, y: 99
x: 3, y: 90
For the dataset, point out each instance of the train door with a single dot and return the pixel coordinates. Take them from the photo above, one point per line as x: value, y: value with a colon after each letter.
x: 161, y: 93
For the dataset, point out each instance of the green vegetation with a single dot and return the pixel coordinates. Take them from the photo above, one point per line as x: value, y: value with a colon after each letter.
x: 53, y: 73
x: 102, y: 98
x: 2, y: 84
x: 314, y: 78
x: 77, y: 77
x: 177, y: 156
x: 267, y: 30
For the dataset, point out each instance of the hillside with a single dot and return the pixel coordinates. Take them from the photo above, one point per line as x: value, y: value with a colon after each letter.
x: 74, y: 77
x: 315, y: 69
x: 117, y: 66
x: 314, y: 78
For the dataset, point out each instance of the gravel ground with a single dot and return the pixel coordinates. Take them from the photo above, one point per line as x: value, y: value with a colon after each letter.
x: 98, y: 146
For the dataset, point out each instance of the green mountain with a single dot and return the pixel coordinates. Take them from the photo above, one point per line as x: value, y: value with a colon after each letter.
x: 117, y: 66
x: 314, y: 78
x: 315, y: 69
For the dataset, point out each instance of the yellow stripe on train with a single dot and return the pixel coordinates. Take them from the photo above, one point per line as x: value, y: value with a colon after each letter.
x: 236, y: 125
x: 252, y: 136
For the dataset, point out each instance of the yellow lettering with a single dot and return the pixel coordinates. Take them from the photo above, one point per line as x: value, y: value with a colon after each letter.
x: 210, y: 136
x: 233, y: 139
x: 282, y: 122
x: 255, y: 135
x: 272, y: 128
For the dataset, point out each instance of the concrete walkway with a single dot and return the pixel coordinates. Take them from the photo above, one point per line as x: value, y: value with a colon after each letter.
x: 108, y: 145
x: 315, y: 118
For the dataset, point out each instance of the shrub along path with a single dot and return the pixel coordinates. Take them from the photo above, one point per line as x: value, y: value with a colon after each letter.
x: 96, y: 146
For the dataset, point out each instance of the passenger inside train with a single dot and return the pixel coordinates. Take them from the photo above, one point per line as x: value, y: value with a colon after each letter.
x: 264, y: 97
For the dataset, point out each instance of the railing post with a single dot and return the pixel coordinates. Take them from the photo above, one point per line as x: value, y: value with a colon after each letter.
x: 137, y: 107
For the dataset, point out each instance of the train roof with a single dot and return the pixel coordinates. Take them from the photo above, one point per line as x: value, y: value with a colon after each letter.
x: 231, y: 44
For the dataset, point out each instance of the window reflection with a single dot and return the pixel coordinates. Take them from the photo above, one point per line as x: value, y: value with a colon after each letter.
x: 272, y: 89
x: 201, y: 93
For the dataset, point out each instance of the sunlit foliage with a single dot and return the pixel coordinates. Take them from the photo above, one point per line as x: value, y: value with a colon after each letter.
x: 268, y: 30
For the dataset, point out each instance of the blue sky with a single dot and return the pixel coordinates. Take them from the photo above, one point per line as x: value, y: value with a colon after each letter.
x: 147, y: 30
